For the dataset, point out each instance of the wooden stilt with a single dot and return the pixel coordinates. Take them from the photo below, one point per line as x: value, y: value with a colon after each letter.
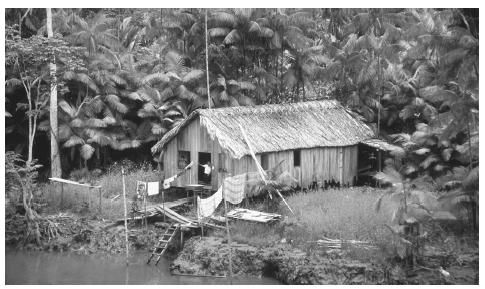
x: 126, y: 213
x: 163, y: 204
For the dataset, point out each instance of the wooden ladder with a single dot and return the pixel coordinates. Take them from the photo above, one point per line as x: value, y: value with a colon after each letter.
x: 162, y: 245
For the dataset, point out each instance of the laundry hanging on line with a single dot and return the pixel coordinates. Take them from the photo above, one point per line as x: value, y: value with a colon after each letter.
x: 207, y: 206
x: 152, y: 188
x: 234, y: 192
x: 234, y: 189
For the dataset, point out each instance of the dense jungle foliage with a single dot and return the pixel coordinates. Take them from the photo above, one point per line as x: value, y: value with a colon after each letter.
x: 124, y: 77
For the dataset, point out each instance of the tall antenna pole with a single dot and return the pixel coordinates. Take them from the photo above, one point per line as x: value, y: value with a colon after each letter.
x: 207, y: 60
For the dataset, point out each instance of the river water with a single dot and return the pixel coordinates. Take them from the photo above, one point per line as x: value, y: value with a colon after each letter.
x: 34, y: 267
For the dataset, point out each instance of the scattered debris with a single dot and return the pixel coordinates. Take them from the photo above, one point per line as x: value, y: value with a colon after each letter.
x: 255, y: 216
x: 336, y: 244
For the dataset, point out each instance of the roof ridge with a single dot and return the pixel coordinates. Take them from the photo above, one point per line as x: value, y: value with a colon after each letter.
x: 274, y: 127
x: 295, y: 106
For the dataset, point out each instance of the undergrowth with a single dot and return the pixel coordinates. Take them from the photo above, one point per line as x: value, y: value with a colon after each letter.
x: 346, y: 213
x: 83, y: 200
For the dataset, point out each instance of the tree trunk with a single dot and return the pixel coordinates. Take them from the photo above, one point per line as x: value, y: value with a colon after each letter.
x: 56, y: 170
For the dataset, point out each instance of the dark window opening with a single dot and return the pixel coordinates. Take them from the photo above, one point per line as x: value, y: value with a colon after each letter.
x: 264, y: 161
x: 205, y: 168
x: 296, y: 158
x: 183, y: 159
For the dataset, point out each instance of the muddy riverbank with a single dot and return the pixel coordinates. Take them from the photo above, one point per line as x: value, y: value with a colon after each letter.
x: 209, y: 256
x: 82, y: 235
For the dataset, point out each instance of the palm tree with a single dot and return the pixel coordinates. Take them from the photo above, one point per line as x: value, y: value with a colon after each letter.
x: 97, y: 34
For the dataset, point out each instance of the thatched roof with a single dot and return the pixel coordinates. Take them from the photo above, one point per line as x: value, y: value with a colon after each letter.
x: 383, y: 145
x: 278, y: 127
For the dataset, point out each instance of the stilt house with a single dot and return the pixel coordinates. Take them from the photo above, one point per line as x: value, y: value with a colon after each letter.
x: 317, y: 140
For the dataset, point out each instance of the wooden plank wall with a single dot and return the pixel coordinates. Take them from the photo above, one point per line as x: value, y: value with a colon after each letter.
x: 325, y: 164
x: 317, y: 164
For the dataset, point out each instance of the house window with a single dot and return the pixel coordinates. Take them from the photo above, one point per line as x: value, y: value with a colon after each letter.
x: 296, y: 158
x: 183, y: 159
x: 264, y: 161
x: 222, y: 162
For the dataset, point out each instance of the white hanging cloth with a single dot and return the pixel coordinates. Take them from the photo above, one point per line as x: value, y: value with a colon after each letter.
x: 152, y: 188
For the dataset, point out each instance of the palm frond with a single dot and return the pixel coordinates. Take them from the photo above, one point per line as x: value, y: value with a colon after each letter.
x: 155, y: 78
x: 218, y: 32
x: 193, y: 75
x: 73, y: 141
x: 223, y: 19
x: 114, y: 102
x: 232, y: 37
x: 86, y: 151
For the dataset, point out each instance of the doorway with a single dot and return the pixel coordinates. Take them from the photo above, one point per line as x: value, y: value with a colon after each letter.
x: 205, y: 168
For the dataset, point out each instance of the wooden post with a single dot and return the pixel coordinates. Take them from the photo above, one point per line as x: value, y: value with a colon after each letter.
x: 126, y: 222
x: 163, y: 203
x: 89, y: 198
x: 62, y: 195
x: 145, y: 216
x: 228, y: 233
x: 379, y: 156
x: 301, y: 179
x: 100, y: 205
x: 181, y: 238
x: 201, y: 225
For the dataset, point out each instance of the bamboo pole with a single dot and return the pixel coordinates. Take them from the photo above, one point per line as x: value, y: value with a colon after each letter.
x: 207, y: 61
x: 228, y: 233
x: 126, y: 222
x: 260, y: 169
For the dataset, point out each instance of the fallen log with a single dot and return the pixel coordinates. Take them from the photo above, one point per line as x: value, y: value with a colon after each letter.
x: 195, y: 275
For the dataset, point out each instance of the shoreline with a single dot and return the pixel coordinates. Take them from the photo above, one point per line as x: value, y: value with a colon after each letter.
x: 208, y: 255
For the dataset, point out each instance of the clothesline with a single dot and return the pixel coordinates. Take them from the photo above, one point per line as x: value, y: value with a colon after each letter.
x: 234, y: 192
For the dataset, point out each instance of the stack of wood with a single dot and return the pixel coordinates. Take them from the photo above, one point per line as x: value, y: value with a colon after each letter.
x: 336, y: 244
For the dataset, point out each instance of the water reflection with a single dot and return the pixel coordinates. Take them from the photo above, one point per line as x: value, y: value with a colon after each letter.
x: 30, y: 267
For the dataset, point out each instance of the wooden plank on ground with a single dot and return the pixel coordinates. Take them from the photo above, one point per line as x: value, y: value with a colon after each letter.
x: 59, y: 180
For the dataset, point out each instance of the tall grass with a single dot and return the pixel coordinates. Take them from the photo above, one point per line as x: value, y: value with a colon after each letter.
x: 347, y: 213
x: 86, y: 201
x: 336, y: 213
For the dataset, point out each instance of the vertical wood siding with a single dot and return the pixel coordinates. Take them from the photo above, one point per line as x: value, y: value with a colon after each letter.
x: 316, y: 164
